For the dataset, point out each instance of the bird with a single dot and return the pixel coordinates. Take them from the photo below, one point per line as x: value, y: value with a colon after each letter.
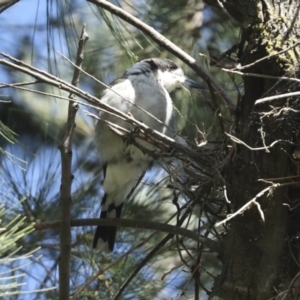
x: 143, y: 93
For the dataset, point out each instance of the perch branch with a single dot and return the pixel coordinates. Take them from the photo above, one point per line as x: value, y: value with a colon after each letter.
x: 128, y: 223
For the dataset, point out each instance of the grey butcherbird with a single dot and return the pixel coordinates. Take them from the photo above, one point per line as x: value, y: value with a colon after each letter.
x: 142, y: 92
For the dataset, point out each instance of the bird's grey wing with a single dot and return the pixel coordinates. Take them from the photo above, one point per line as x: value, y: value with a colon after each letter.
x: 110, y: 145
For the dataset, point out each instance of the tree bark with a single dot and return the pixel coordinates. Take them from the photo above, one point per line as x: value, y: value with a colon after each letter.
x: 257, y: 255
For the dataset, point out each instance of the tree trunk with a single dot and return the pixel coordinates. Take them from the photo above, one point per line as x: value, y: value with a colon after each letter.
x: 259, y: 256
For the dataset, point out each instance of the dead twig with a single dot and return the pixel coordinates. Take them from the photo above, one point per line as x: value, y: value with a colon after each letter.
x: 249, y: 204
x: 261, y: 75
x: 102, y: 271
x: 149, y: 256
x: 238, y: 141
x: 276, y: 97
x: 267, y: 57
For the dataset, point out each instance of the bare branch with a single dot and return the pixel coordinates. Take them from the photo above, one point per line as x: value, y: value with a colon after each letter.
x: 267, y: 57
x: 249, y: 204
x: 128, y: 223
x: 102, y: 271
x: 95, y: 276
x: 18, y: 84
x: 167, y: 44
x: 261, y: 75
x: 238, y: 141
x: 66, y: 180
x: 276, y: 97
x: 149, y: 256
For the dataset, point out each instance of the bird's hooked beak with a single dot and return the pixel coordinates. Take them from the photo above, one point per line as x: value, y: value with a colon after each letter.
x: 192, y: 84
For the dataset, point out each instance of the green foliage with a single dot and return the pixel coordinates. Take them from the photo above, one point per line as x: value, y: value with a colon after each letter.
x: 14, y: 259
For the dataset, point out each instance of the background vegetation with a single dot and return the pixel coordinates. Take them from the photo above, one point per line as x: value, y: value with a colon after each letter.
x: 245, y: 258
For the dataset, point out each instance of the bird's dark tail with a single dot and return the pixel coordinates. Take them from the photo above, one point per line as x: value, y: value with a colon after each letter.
x: 120, y: 182
x: 105, y: 236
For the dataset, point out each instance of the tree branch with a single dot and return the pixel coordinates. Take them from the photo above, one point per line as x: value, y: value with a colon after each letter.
x: 5, y: 4
x: 66, y: 180
x: 167, y: 44
x: 129, y: 223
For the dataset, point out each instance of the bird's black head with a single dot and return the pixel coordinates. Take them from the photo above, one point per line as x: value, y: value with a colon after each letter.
x: 162, y: 64
x: 168, y: 73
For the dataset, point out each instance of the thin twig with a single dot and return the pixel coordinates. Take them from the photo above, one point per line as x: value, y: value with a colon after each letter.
x: 18, y: 84
x: 66, y: 180
x: 48, y: 95
x: 196, y: 293
x: 154, y: 137
x: 249, y: 204
x: 238, y: 141
x: 102, y: 271
x: 167, y: 44
x: 149, y: 256
x: 95, y: 276
x: 261, y: 75
x: 225, y: 194
x: 276, y: 97
x: 267, y: 57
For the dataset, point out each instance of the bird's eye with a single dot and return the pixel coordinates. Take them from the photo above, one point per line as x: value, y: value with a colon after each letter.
x: 171, y: 67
